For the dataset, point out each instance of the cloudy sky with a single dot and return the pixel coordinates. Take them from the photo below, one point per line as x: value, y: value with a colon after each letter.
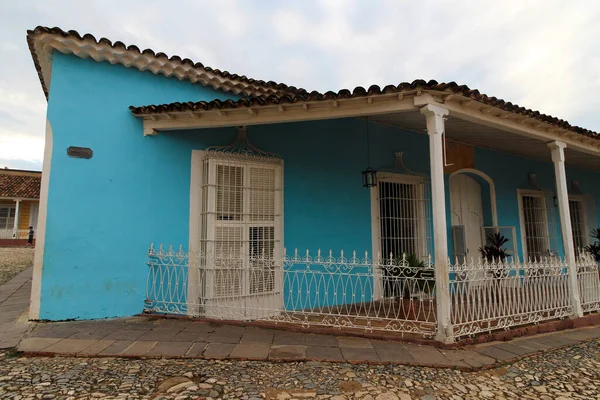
x: 540, y: 54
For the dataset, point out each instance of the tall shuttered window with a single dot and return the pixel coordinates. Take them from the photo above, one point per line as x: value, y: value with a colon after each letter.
x: 403, y: 216
x: 578, y: 224
x: 7, y: 217
x: 534, y: 225
x: 241, y: 225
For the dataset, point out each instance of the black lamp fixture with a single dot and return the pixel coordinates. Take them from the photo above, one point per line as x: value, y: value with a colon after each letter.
x: 369, y: 175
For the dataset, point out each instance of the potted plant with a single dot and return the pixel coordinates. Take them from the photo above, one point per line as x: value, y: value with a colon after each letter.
x: 594, y: 248
x: 494, y: 252
x: 409, y: 278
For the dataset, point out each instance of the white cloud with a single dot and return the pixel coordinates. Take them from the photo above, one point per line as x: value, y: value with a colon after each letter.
x: 539, y: 54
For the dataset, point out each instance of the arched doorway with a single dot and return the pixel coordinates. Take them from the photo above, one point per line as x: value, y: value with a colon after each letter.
x: 467, y: 211
x: 472, y: 207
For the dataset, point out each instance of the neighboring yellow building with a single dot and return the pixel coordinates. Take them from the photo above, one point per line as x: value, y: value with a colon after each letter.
x: 19, y: 202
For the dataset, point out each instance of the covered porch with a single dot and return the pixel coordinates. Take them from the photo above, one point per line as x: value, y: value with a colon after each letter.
x: 445, y: 172
x: 19, y: 204
x: 16, y: 217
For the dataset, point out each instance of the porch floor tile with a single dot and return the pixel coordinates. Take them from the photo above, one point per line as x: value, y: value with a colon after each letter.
x: 265, y: 338
x: 37, y: 344
x: 122, y: 334
x: 515, y: 348
x: 139, y: 348
x: 396, y: 355
x: 427, y: 355
x: 354, y: 342
x: 319, y: 353
x: 251, y: 351
x: 177, y: 338
x: 190, y: 336
x: 70, y: 346
x: 313, y: 339
x: 219, y: 338
x: 287, y: 352
x: 357, y: 354
x: 162, y: 335
x: 218, y: 350
x: 289, y: 338
x: 116, y: 348
x: 196, y: 350
x: 96, y: 348
x: 496, y: 353
x: 170, y: 349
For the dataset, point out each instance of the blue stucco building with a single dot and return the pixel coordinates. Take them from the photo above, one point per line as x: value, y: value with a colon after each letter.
x: 231, y: 167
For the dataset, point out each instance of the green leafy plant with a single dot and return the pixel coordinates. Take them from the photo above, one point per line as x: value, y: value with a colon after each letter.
x: 419, y: 278
x: 494, y: 250
x: 594, y: 248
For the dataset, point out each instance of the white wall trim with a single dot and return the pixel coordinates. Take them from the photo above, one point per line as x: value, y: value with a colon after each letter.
x: 194, y: 229
x: 522, y: 125
x: 536, y: 193
x: 40, y: 241
x: 582, y: 199
x: 375, y: 240
x: 490, y: 182
x: 272, y: 114
x: 375, y: 220
x: 17, y: 198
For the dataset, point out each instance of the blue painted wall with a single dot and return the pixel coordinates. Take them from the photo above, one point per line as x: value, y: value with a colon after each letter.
x: 104, y: 212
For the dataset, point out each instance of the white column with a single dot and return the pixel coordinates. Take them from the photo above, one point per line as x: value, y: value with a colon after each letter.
x: 435, y: 128
x: 16, y: 224
x: 558, y: 158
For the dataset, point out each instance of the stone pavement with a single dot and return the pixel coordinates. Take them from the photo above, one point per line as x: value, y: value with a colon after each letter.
x: 178, y: 338
x: 14, y: 307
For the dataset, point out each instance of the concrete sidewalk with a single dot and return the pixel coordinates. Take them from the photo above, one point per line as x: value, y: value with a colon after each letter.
x: 14, y: 306
x: 142, y: 337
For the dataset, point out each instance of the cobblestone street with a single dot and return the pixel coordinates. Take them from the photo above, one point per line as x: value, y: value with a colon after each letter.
x: 14, y: 260
x: 572, y: 372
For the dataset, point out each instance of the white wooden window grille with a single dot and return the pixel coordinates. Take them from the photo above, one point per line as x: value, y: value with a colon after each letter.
x: 404, y: 216
x: 578, y: 223
x: 534, y: 225
x: 459, y: 241
x: 241, y: 225
x: 7, y: 217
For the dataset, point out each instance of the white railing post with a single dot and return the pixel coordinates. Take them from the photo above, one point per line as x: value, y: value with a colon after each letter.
x: 16, y: 222
x: 557, y: 149
x: 434, y: 115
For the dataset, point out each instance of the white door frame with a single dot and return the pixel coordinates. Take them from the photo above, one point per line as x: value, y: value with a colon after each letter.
x: 195, y: 225
x: 532, y: 193
x: 490, y: 182
x: 467, y: 228
x: 376, y: 224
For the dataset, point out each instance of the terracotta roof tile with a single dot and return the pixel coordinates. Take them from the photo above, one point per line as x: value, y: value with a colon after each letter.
x: 450, y: 87
x: 20, y: 185
x: 176, y: 60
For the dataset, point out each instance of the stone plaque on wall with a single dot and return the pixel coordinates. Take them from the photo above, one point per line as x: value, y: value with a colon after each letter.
x: 458, y: 156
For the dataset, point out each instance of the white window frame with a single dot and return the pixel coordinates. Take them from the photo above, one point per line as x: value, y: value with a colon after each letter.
x: 421, y: 239
x: 531, y: 193
x: 196, y: 206
x: 9, y: 207
x: 584, y: 221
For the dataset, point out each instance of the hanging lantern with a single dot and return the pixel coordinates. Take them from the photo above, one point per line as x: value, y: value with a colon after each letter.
x: 369, y: 175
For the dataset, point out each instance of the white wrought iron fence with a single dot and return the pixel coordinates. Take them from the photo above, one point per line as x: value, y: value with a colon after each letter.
x: 588, y: 282
x: 393, y: 295
x: 12, y: 234
x: 352, y: 292
x: 486, y: 296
